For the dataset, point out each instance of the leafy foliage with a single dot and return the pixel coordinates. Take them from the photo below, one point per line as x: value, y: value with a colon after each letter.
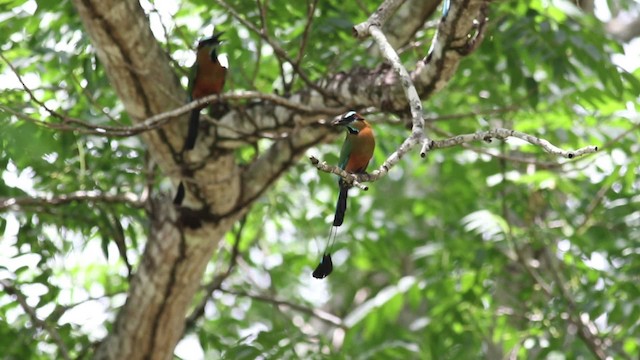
x: 475, y: 252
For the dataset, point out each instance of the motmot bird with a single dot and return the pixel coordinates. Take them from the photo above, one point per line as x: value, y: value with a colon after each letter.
x: 207, y: 78
x: 355, y: 155
x: 357, y: 151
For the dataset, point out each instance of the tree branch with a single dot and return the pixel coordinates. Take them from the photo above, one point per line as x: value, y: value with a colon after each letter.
x: 593, y: 343
x: 354, y: 87
x: 409, y: 18
x: 377, y: 19
x: 156, y: 121
x: 319, y: 314
x: 311, y: 9
x: 93, y: 196
x: 587, y: 330
x: 372, y: 27
x: 10, y: 288
x: 518, y: 159
x: 435, y: 57
x: 499, y: 133
x: 277, y: 49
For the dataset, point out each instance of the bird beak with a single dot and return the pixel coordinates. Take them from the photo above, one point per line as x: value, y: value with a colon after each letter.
x: 347, y: 118
x: 339, y: 121
x: 217, y: 36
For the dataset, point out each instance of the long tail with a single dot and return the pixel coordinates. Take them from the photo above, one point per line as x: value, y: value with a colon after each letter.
x: 325, y: 267
x: 189, y: 144
x: 192, y: 133
x: 341, y: 205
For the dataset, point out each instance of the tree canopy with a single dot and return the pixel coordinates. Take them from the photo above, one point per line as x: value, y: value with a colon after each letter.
x: 479, y: 249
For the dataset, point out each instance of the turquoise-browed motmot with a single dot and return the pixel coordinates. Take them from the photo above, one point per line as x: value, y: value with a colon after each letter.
x: 207, y: 78
x: 357, y: 151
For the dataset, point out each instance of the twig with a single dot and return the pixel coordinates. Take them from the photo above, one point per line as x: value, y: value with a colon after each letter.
x: 351, y: 178
x: 10, y: 288
x: 277, y: 49
x: 263, y: 15
x: 319, y: 314
x: 595, y: 201
x: 502, y: 134
x: 305, y: 34
x: 26, y: 88
x: 151, y: 123
x: 311, y: 8
x: 593, y: 343
x: 587, y: 331
x: 372, y: 27
x: 90, y: 196
x: 89, y: 96
x: 378, y: 18
x: 475, y: 113
x: 632, y: 129
x: 501, y: 155
x: 156, y: 121
x: 499, y: 133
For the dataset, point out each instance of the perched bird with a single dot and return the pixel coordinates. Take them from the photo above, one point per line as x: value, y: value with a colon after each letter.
x: 355, y: 155
x: 207, y: 78
x: 357, y: 151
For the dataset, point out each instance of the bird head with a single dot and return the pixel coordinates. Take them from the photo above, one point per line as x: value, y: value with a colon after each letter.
x: 353, y: 121
x: 213, y: 41
x: 211, y: 44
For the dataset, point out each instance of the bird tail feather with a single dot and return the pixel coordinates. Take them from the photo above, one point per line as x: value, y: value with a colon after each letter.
x: 179, y: 194
x: 341, y: 206
x: 192, y: 132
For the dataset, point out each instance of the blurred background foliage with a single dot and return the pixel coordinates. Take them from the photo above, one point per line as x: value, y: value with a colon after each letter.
x: 492, y: 250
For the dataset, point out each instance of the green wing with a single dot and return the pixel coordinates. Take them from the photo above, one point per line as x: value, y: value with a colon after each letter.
x: 345, y: 152
x: 192, y: 79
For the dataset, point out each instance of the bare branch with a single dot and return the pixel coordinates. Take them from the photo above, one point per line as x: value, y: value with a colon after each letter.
x: 26, y: 88
x: 277, y: 49
x: 502, y: 134
x: 593, y: 343
x: 378, y: 18
x: 415, y: 104
x: 10, y: 288
x: 413, y: 16
x: 595, y: 202
x: 129, y: 198
x: 354, y: 87
x: 319, y: 314
x: 499, y: 133
x: 305, y: 34
x: 587, y: 331
x: 517, y: 159
x: 156, y: 121
x: 351, y: 178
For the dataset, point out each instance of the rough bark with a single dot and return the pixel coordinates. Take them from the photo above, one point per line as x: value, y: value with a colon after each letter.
x: 182, y: 240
